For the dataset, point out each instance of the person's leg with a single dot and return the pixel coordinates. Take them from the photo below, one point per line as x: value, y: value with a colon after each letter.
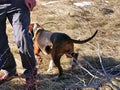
x: 20, y: 21
x: 5, y: 53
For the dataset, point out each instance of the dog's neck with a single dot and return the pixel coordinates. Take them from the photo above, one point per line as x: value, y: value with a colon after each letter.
x: 36, y: 29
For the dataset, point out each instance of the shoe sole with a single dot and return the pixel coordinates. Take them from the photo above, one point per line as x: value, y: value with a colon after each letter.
x: 8, y: 78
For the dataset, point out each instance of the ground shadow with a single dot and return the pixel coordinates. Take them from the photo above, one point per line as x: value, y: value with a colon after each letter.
x: 75, y: 76
x: 70, y: 77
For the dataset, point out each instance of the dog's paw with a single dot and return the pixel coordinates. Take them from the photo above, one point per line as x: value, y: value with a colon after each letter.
x: 56, y: 77
x: 48, y: 70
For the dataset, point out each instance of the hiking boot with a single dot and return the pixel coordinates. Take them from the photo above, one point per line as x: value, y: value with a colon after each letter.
x: 6, y: 76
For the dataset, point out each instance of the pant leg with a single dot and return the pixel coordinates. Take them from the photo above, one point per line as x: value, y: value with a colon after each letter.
x: 20, y: 21
x: 5, y: 52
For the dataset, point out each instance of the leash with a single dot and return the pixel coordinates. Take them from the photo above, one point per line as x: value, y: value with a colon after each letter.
x: 2, y: 62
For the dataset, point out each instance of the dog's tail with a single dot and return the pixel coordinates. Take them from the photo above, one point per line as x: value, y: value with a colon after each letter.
x: 84, y: 41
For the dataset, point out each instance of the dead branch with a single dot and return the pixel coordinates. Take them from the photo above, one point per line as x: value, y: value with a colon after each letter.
x: 106, y: 78
x: 106, y: 75
x: 94, y: 69
x: 80, y: 65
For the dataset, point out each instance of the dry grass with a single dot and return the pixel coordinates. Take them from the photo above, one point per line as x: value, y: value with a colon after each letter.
x: 77, y: 22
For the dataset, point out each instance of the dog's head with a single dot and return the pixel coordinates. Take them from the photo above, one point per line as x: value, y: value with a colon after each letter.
x: 34, y: 27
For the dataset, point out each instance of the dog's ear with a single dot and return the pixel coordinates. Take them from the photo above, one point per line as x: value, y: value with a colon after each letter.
x: 31, y: 29
x: 35, y: 26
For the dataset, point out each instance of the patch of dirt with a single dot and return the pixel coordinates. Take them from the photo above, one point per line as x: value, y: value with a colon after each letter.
x: 78, y: 23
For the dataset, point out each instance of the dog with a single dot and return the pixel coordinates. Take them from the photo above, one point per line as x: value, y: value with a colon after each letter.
x: 55, y: 43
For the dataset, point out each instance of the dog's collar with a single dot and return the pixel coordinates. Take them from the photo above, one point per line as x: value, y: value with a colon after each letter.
x: 35, y: 33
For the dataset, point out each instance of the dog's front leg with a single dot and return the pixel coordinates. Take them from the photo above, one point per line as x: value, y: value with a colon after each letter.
x: 50, y: 65
x: 38, y: 59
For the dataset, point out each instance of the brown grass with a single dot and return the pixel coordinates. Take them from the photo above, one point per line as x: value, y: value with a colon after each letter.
x: 63, y: 16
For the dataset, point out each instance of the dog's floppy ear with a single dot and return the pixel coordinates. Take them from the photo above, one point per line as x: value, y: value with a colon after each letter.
x: 31, y: 29
x: 35, y: 26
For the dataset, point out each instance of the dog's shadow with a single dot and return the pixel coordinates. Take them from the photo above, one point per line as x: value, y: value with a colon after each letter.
x: 86, y: 62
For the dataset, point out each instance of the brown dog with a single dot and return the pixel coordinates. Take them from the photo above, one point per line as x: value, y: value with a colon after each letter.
x: 54, y: 43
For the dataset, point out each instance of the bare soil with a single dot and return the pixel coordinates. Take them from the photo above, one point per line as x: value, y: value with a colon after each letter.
x: 79, y: 23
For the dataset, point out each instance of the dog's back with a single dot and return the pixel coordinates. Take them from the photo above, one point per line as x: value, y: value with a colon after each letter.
x: 60, y: 38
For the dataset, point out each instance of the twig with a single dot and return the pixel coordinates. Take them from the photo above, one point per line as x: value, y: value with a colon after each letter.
x: 95, y: 86
x: 83, y: 67
x: 101, y: 61
x: 87, y: 71
x: 94, y: 68
x: 107, y: 77
x: 82, y: 80
x: 116, y: 67
x: 80, y: 87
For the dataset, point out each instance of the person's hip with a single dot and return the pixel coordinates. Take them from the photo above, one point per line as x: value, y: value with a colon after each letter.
x: 4, y: 1
x: 20, y: 4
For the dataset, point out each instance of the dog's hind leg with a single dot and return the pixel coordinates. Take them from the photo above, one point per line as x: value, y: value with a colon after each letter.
x: 74, y: 60
x: 56, y: 59
x: 74, y: 57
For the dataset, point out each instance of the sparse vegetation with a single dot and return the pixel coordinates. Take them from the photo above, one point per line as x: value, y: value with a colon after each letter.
x: 79, y: 23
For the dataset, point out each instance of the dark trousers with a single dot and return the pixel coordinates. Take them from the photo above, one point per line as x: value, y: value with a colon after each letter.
x: 19, y: 19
